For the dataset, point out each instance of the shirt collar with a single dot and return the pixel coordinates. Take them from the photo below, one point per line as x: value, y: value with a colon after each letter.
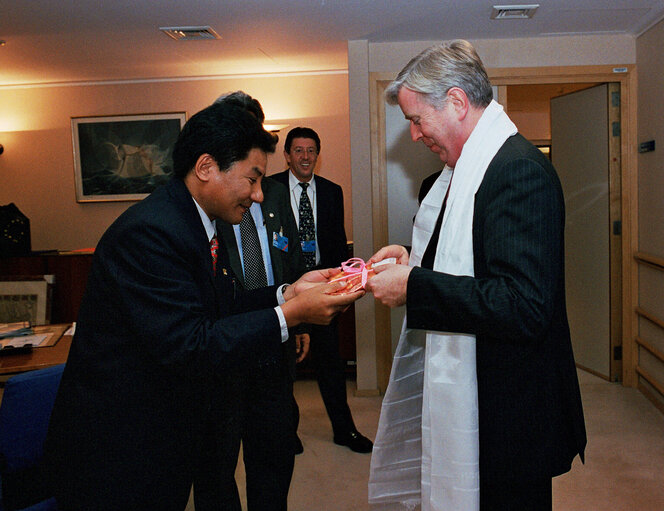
x: 294, y: 183
x: 209, y: 225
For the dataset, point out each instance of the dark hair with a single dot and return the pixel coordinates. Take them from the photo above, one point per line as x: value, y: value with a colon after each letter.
x: 301, y: 132
x: 244, y: 100
x: 223, y: 130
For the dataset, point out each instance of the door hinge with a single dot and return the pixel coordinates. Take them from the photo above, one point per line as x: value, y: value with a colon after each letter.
x: 615, y: 129
x: 617, y: 353
x: 617, y: 227
x: 615, y: 98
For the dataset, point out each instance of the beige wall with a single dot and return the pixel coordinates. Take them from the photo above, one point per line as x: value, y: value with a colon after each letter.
x: 37, y: 169
x: 651, y: 127
x: 651, y: 206
x: 527, y: 52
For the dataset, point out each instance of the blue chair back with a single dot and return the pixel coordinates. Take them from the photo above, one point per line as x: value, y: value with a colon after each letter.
x: 25, y: 411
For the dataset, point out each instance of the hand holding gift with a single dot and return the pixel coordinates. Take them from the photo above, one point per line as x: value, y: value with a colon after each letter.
x: 355, y: 273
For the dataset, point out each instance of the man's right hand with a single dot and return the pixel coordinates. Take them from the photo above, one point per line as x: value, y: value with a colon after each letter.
x: 315, y: 303
x: 397, y: 251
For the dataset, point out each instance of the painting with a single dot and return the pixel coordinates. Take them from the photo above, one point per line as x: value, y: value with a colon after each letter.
x: 26, y: 299
x: 123, y: 157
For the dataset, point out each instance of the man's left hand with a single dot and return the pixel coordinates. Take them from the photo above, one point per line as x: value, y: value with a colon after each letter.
x: 301, y: 347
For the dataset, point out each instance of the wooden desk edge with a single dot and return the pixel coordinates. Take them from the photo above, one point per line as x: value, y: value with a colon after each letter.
x: 37, y: 358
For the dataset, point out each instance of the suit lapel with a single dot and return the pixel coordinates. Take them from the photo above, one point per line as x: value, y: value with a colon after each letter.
x: 222, y: 285
x: 230, y: 247
x: 272, y: 225
x: 322, y: 213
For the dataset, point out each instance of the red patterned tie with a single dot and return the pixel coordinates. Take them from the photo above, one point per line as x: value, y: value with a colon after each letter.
x: 214, y: 245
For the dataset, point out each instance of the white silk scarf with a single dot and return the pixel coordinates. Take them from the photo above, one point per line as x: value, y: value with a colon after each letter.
x: 427, y: 444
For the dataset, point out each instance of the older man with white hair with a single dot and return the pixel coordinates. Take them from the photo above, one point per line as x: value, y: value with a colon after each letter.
x: 483, y: 406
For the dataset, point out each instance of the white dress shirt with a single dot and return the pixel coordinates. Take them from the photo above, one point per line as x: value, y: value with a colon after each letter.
x: 211, y: 230
x: 295, y: 194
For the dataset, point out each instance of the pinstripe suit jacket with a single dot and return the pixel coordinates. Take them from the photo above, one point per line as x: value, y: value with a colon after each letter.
x: 530, y: 413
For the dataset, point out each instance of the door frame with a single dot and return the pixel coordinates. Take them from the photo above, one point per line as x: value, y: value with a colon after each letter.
x: 625, y: 75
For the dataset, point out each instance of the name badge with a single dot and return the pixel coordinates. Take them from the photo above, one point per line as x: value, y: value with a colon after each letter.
x: 309, y: 246
x: 280, y: 241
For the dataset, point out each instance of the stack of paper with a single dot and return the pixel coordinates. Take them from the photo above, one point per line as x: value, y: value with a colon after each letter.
x: 19, y: 335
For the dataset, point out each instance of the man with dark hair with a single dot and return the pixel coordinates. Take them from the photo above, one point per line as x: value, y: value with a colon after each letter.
x: 263, y: 249
x: 162, y: 315
x: 483, y: 406
x: 243, y: 100
x: 318, y: 208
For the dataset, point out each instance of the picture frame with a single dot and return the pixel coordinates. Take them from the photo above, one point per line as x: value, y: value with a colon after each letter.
x: 26, y: 298
x: 123, y: 157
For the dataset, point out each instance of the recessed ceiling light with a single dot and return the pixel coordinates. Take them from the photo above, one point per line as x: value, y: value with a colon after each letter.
x: 513, y: 12
x: 190, y: 33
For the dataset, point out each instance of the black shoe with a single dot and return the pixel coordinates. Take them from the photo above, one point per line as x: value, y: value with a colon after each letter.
x: 354, y: 441
x: 299, y: 448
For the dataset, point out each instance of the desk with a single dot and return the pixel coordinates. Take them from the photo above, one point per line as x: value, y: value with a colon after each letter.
x: 37, y: 358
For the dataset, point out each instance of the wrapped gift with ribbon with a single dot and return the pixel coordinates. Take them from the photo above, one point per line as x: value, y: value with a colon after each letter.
x: 355, y: 272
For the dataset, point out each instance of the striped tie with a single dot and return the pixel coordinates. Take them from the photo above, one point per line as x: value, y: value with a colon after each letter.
x: 252, y: 256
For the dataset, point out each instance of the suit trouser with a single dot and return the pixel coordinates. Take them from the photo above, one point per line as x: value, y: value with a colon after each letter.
x: 329, y: 368
x: 257, y: 411
x: 214, y: 484
x: 515, y: 495
x: 267, y: 439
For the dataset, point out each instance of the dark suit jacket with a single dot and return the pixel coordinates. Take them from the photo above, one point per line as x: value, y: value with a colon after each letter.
x: 153, y: 329
x: 330, y: 231
x: 287, y: 266
x: 530, y: 414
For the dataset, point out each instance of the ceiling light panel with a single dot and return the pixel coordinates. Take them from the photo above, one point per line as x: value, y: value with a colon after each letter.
x: 190, y: 33
x: 513, y: 12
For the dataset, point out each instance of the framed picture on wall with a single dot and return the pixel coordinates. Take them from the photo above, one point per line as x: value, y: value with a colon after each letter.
x: 123, y: 157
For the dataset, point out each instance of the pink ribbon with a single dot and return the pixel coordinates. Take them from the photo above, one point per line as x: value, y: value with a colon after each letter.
x: 352, y: 267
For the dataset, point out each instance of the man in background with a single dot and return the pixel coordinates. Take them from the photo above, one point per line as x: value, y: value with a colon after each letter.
x: 263, y: 250
x: 318, y: 208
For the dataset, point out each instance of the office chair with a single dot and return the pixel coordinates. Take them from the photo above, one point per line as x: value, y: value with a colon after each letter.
x: 25, y: 411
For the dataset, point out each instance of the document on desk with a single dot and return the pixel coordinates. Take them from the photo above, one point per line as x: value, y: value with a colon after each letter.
x: 15, y: 329
x: 23, y: 340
